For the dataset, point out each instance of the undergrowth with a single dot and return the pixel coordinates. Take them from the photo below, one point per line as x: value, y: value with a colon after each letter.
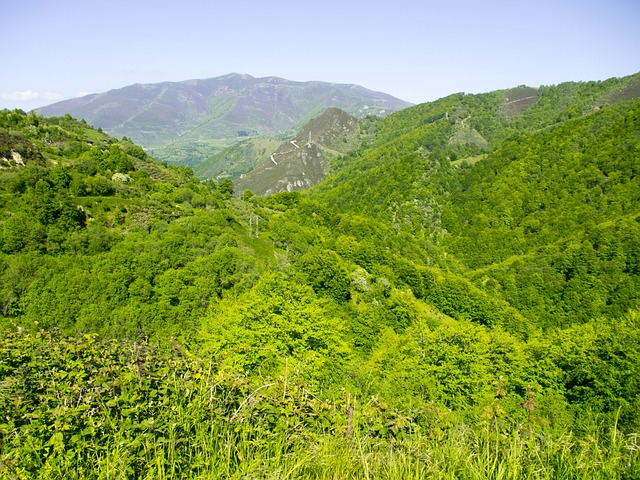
x: 109, y: 409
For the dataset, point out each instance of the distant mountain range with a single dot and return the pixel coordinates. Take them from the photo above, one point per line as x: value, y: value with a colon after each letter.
x: 186, y: 122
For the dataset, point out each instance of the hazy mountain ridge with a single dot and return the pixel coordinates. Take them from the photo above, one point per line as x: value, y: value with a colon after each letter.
x: 181, y: 121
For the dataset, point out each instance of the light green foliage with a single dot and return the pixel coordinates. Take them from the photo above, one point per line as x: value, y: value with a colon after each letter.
x: 546, y: 201
x: 600, y: 365
x: 91, y: 408
x: 326, y: 274
x: 419, y: 315
x: 275, y: 326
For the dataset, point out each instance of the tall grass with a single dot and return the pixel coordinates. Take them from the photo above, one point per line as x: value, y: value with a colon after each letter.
x: 142, y: 414
x: 217, y: 449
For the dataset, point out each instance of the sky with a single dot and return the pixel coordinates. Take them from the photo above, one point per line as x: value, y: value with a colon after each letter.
x: 416, y: 50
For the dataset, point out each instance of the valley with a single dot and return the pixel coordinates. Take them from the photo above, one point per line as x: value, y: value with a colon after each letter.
x: 450, y: 290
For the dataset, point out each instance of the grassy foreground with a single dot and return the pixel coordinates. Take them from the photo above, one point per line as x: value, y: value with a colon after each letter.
x: 88, y: 408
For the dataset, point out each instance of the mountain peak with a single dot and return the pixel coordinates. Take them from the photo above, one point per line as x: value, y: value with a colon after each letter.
x: 301, y: 161
x: 186, y: 122
x: 243, y: 76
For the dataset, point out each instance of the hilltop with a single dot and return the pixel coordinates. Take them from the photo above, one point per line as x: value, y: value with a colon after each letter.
x: 301, y: 161
x: 186, y: 122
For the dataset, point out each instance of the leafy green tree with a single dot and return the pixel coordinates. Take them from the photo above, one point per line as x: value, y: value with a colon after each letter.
x: 275, y: 327
x: 599, y: 361
x: 59, y: 178
x: 225, y: 187
x: 326, y: 274
x: 102, y: 186
x: 117, y: 160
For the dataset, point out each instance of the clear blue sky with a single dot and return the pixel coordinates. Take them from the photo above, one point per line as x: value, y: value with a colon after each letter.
x: 417, y: 50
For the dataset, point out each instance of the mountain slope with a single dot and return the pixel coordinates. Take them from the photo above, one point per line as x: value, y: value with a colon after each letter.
x: 186, y: 122
x: 556, y: 210
x: 399, y: 167
x: 529, y: 214
x: 236, y: 160
x: 301, y: 162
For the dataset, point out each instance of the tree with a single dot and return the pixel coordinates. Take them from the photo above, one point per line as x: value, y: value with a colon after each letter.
x: 326, y: 274
x: 225, y: 187
x: 276, y: 325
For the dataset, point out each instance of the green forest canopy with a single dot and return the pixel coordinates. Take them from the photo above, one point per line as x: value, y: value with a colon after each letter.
x: 435, y: 282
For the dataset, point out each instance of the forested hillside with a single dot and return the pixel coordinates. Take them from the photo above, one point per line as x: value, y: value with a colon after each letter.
x: 459, y: 299
x: 543, y: 212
